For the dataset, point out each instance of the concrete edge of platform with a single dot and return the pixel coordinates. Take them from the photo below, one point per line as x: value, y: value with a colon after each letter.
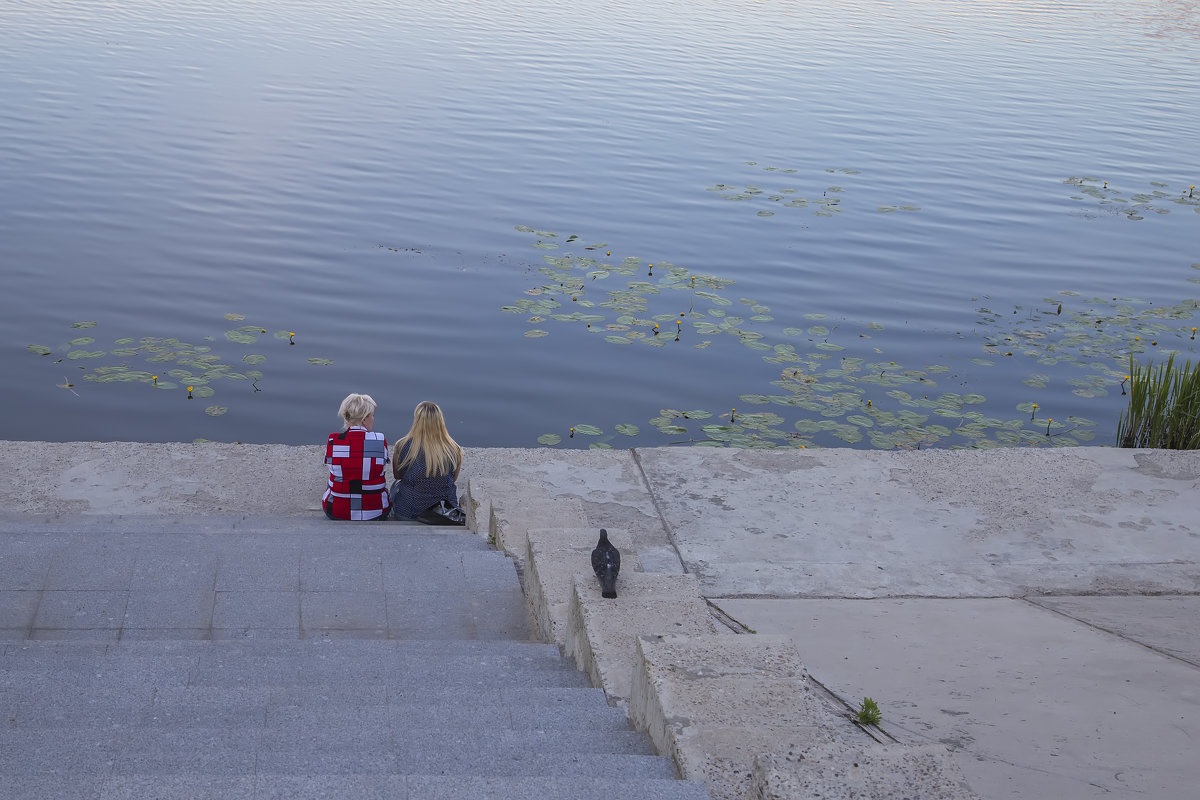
x: 736, y: 712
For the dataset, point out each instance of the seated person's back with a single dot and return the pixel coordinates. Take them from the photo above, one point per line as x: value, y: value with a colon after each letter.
x: 356, y: 458
x: 426, y: 462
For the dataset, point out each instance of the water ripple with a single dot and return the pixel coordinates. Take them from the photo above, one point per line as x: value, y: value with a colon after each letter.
x: 355, y: 172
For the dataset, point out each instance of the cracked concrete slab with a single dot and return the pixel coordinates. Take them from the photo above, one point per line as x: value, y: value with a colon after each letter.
x: 852, y: 523
x: 1167, y: 624
x: 1031, y: 703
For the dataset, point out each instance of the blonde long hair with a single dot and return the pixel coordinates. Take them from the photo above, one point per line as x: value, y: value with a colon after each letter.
x: 428, y: 437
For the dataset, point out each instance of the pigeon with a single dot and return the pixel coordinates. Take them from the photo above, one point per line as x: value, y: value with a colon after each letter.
x: 606, y: 563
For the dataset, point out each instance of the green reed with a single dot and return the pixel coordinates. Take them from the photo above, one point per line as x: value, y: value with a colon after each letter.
x: 1164, y: 407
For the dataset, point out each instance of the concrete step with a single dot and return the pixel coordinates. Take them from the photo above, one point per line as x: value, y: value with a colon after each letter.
x: 560, y: 788
x: 281, y: 583
x: 283, y: 673
x: 339, y: 660
x: 365, y: 787
x: 216, y: 711
x: 499, y: 708
x: 272, y: 658
x: 340, y: 748
x: 395, y: 670
x: 230, y: 523
x: 303, y: 649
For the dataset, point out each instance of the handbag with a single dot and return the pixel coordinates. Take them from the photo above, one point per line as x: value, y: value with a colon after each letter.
x: 442, y: 513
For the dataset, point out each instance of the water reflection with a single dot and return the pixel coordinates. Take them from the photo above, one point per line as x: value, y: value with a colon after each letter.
x: 165, y: 164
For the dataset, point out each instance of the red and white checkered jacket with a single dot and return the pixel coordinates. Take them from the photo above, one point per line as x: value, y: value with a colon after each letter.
x: 357, y: 487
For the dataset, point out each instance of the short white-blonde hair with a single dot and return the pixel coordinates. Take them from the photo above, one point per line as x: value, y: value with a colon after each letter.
x: 356, y: 407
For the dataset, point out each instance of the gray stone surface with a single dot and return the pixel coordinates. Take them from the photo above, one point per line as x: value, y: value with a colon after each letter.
x: 841, y: 772
x: 568, y: 489
x: 602, y: 632
x: 1169, y: 624
x: 717, y: 702
x: 149, y: 689
x: 1078, y: 531
x: 1030, y: 702
x: 307, y: 579
x: 428, y: 787
x: 178, y: 787
x: 553, y: 557
x: 132, y: 478
x: 943, y: 523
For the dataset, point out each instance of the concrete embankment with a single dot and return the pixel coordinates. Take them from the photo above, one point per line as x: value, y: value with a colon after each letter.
x: 1035, y: 611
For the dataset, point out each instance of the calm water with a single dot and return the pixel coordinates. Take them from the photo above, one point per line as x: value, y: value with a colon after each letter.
x: 365, y: 175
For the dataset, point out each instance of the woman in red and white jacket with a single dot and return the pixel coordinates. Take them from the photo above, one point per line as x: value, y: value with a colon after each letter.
x: 356, y: 458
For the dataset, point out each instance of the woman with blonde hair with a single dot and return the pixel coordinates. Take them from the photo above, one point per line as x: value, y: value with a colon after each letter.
x: 356, y: 457
x: 426, y: 462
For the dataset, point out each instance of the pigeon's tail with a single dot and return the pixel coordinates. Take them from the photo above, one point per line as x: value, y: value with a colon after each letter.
x: 608, y: 583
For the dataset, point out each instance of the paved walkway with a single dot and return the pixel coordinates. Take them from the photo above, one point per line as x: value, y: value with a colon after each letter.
x: 1034, y: 610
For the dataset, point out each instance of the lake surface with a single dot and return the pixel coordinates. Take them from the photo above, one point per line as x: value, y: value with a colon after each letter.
x: 883, y: 223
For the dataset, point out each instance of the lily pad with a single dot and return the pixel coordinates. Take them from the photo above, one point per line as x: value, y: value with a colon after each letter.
x: 536, y: 333
x: 848, y: 434
x: 39, y: 349
x: 549, y: 439
x: 254, y: 358
x: 215, y: 411
x: 320, y: 362
x: 588, y: 430
x: 628, y: 429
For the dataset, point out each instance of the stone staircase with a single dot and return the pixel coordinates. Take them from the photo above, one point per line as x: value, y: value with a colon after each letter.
x: 241, y: 657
